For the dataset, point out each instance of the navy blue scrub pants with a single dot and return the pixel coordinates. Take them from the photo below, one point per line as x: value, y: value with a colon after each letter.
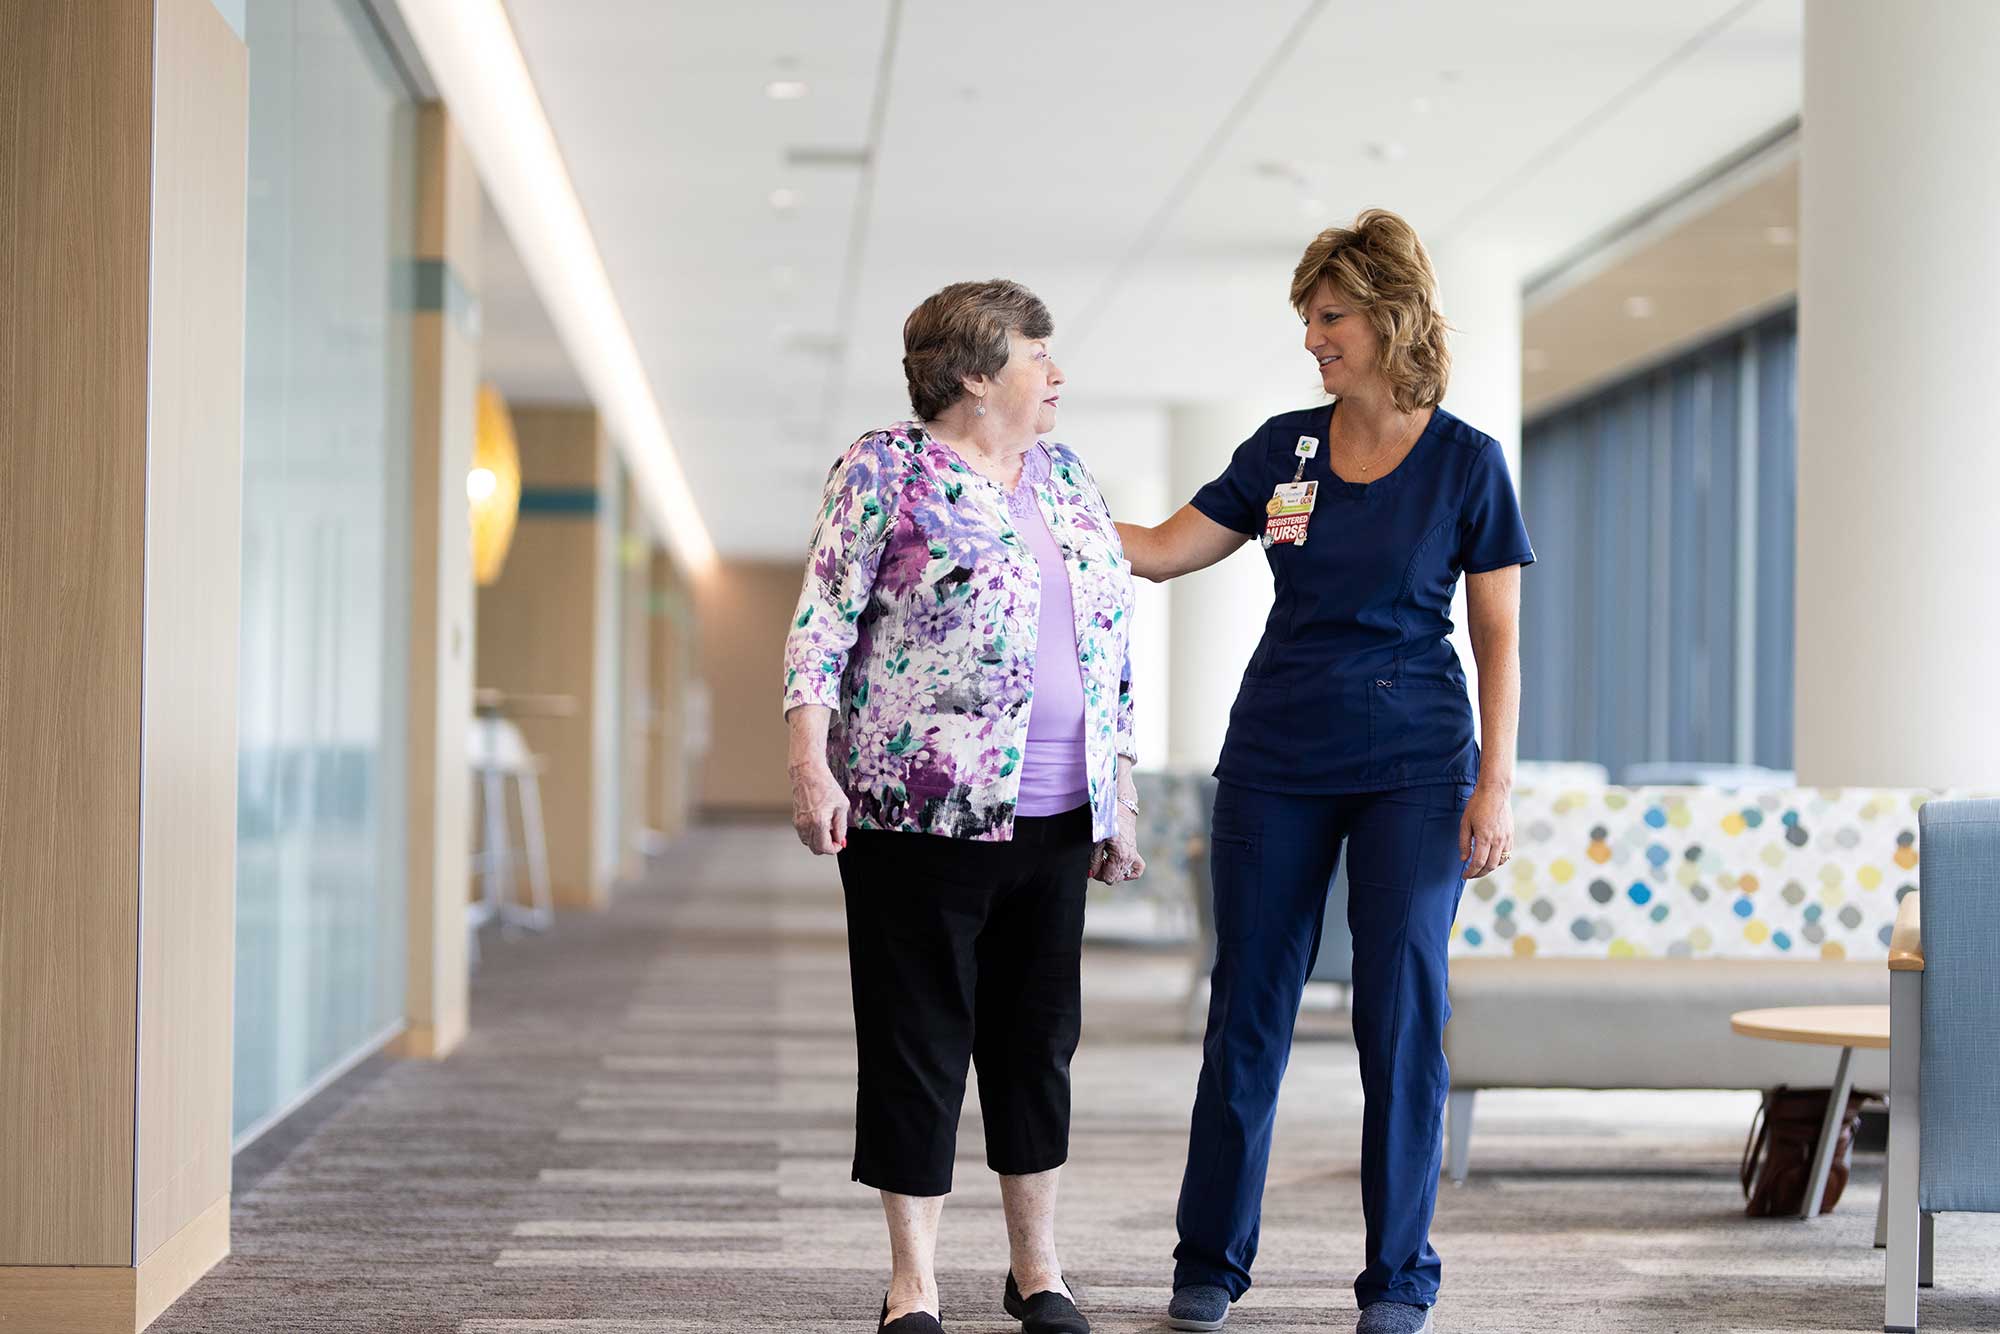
x: 1273, y: 855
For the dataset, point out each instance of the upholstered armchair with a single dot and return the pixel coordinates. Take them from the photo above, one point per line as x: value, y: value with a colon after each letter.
x: 1944, y: 1055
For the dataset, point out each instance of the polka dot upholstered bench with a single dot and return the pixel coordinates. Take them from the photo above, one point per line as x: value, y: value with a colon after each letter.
x: 1632, y: 922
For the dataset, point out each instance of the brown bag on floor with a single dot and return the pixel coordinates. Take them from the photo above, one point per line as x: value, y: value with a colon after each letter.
x: 1777, y: 1161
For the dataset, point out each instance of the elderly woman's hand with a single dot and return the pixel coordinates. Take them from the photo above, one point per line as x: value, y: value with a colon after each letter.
x: 819, y: 807
x: 1117, y: 858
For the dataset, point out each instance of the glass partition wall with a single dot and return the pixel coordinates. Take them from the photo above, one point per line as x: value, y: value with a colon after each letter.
x: 321, y: 809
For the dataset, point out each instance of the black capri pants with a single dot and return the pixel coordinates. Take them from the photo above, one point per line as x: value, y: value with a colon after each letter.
x: 964, y: 950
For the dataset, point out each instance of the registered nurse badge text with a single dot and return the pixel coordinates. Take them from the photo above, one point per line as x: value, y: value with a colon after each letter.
x: 1288, y: 512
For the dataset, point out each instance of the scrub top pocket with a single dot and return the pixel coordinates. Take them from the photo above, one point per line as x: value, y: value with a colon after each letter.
x: 1411, y: 721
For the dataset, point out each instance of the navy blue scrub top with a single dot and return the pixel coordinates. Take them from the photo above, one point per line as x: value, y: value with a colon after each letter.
x: 1354, y: 686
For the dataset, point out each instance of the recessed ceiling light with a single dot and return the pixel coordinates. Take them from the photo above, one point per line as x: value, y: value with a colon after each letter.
x: 785, y: 90
x: 1639, y: 307
x: 1780, y: 235
x: 784, y: 199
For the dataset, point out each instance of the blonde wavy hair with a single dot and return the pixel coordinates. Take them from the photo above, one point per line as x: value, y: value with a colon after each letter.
x: 1380, y: 268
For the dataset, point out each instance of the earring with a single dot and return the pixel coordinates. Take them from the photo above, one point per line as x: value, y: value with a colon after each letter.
x: 979, y: 409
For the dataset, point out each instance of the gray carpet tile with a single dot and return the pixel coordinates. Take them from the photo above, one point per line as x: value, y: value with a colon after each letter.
x: 649, y: 1131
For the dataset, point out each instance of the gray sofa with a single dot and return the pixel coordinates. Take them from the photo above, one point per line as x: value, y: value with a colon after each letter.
x: 1637, y: 1024
x: 1630, y: 925
x: 1633, y: 922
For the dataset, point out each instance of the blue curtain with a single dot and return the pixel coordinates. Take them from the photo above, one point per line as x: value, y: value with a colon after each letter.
x: 1662, y: 512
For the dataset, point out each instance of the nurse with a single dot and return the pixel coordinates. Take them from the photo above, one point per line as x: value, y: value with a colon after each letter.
x: 1352, y: 724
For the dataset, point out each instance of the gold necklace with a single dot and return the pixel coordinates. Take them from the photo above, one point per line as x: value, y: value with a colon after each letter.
x: 1383, y: 451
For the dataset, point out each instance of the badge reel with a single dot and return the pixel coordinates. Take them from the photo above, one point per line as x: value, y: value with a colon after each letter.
x: 1289, y: 510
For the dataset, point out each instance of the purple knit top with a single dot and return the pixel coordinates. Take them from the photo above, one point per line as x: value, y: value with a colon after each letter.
x: 1054, y: 770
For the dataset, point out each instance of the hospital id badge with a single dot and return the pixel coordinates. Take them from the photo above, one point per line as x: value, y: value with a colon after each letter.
x: 1288, y: 512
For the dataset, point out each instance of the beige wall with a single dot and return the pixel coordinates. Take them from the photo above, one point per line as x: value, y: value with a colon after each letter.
x: 635, y: 644
x: 1708, y: 265
x: 743, y: 609
x: 543, y: 630
x: 121, y: 331
x: 671, y: 665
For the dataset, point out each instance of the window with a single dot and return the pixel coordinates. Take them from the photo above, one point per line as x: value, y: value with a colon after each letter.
x: 1658, y: 623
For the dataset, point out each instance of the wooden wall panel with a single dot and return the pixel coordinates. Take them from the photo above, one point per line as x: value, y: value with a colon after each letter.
x: 635, y: 709
x: 444, y: 389
x: 194, y: 518
x: 75, y: 176
x: 745, y: 609
x: 540, y: 633
x: 668, y: 666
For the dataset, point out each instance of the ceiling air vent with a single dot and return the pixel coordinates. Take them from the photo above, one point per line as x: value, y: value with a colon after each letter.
x: 805, y: 156
x: 814, y: 345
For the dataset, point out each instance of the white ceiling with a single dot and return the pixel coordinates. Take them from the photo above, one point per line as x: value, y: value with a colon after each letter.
x: 519, y: 349
x: 1149, y: 169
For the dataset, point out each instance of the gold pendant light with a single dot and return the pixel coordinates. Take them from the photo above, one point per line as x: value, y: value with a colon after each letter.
x: 493, y: 487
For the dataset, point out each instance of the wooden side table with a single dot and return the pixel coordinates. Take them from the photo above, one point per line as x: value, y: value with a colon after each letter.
x: 1844, y: 1026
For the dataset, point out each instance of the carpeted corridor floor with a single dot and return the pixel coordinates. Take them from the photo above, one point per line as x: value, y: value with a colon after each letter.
x: 648, y: 1132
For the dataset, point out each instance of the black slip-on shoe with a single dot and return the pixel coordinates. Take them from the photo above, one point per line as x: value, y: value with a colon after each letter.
x: 1044, y: 1313
x: 916, y: 1322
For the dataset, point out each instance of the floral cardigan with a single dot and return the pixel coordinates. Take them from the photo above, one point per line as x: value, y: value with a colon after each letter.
x: 917, y: 629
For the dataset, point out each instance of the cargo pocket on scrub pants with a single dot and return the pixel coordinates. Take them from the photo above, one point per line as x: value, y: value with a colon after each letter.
x: 1236, y: 870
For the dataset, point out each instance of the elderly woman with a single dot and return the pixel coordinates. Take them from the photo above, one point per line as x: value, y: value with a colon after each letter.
x: 1352, y: 724
x: 958, y: 689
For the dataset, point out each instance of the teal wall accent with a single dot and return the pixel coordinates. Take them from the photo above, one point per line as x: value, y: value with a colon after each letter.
x: 435, y: 285
x: 559, y: 501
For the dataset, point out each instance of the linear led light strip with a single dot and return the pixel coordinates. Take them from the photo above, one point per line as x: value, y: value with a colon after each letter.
x: 470, y: 49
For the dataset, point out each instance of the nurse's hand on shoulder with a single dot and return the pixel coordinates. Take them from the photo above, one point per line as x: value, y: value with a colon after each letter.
x: 1486, y: 832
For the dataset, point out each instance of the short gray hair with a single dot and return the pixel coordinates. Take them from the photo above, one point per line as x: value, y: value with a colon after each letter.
x: 961, y: 332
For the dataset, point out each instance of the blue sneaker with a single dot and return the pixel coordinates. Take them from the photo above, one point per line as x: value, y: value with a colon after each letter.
x: 1198, y: 1306
x: 1394, y: 1318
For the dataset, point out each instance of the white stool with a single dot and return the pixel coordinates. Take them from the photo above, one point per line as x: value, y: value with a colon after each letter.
x: 497, y: 752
